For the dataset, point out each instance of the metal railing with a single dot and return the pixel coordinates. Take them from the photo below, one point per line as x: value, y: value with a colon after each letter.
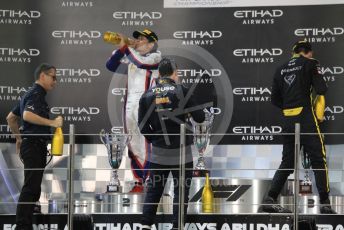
x: 296, y: 175
x: 70, y: 175
x: 71, y: 169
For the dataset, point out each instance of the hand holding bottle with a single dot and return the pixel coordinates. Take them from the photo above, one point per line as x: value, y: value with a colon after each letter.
x: 57, y: 122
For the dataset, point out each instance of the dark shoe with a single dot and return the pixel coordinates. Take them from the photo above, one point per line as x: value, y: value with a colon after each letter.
x: 327, y: 210
x: 325, y: 207
x: 270, y: 205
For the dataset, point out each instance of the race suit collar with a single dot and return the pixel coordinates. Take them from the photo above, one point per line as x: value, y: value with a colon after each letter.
x: 164, y: 80
x: 296, y: 56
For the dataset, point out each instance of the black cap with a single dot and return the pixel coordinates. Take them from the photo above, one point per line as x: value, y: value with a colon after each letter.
x: 150, y: 35
x: 43, y: 67
x: 302, y: 45
x: 167, y: 67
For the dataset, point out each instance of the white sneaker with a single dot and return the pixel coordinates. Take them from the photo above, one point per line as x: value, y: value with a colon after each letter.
x: 145, y: 227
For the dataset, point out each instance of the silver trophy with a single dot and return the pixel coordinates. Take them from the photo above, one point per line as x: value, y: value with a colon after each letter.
x: 305, y: 186
x: 201, y: 134
x: 115, y: 144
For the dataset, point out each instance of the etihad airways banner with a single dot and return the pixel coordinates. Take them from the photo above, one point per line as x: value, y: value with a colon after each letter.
x: 228, y: 52
x: 244, y: 3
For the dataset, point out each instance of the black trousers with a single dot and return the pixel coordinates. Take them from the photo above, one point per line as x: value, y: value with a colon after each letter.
x: 312, y: 144
x: 33, y: 152
x: 157, y: 180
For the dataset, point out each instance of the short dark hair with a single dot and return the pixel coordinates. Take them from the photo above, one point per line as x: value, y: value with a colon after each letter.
x: 302, y: 46
x: 43, y: 68
x: 167, y: 67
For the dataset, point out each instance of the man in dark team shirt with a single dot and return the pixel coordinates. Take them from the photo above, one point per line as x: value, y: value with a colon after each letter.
x: 31, y: 144
x: 162, y: 109
x: 292, y: 92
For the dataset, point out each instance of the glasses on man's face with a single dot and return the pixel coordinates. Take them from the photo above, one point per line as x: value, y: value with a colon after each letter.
x: 52, y: 76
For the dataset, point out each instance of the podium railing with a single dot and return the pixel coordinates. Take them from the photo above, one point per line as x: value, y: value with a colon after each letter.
x: 296, y: 175
x: 70, y: 175
x: 71, y: 170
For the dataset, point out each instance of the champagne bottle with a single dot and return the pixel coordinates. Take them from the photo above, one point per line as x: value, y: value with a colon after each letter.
x: 207, y: 197
x: 319, y: 107
x: 114, y: 38
x: 57, y: 143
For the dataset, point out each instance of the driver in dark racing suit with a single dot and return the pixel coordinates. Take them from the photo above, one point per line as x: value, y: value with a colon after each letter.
x: 292, y: 89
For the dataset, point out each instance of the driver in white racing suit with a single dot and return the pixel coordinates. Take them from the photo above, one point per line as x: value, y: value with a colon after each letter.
x: 141, y: 58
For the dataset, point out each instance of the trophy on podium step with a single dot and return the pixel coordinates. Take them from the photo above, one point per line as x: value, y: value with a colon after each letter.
x: 115, y: 144
x: 201, y: 134
x: 305, y: 186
